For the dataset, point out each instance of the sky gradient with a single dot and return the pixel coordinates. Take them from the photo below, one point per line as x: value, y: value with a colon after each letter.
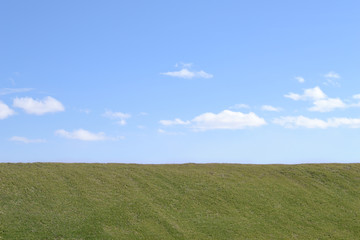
x: 180, y: 81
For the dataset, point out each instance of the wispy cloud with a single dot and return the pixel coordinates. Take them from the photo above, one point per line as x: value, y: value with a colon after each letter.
x: 239, y: 106
x: 304, y: 122
x: 270, y: 108
x: 165, y: 132
x: 356, y: 96
x: 85, y: 110
x: 186, y: 73
x: 300, y: 79
x: 332, y: 74
x: 176, y: 121
x: 119, y: 116
x: 183, y: 65
x: 5, y: 111
x: 331, y: 82
x: 6, y: 91
x: 84, y: 135
x: 26, y: 140
x: 332, y: 79
x: 39, y: 107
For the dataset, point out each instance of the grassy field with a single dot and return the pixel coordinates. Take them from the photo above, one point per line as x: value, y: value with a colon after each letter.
x: 211, y: 201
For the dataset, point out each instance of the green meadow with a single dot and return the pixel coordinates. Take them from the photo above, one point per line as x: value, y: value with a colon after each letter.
x: 189, y: 201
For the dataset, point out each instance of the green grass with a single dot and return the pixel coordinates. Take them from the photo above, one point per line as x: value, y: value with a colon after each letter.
x: 210, y: 201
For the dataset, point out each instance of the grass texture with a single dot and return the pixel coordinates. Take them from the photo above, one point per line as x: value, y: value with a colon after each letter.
x: 189, y: 201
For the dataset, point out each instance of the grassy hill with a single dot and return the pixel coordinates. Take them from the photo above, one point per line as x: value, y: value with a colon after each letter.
x: 211, y: 201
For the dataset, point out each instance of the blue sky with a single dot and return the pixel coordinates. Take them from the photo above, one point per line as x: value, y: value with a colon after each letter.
x: 180, y: 81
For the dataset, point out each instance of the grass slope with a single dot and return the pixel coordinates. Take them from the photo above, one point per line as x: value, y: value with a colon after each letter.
x: 211, y: 201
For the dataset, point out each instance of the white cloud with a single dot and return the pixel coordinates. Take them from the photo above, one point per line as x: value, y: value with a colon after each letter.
x: 332, y: 74
x: 300, y: 79
x: 38, y: 107
x: 301, y: 121
x: 5, y: 111
x: 321, y: 102
x: 327, y: 105
x: 5, y: 91
x: 176, y: 121
x: 309, y: 94
x: 26, y: 140
x: 238, y: 106
x: 226, y: 120
x: 121, y: 117
x: 270, y: 108
x: 187, y: 74
x: 84, y: 135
